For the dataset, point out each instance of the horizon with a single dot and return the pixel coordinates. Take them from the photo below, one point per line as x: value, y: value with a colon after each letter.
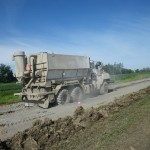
x: 109, y: 31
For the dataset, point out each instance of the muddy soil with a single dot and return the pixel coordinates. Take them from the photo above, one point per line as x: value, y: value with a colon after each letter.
x: 51, y: 134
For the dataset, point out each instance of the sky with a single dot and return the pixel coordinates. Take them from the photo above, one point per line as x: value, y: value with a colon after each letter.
x: 111, y: 31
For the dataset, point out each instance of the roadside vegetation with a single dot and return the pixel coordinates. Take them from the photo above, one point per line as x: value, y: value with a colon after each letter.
x: 120, y: 74
x: 121, y: 78
x: 8, y: 86
x: 7, y: 91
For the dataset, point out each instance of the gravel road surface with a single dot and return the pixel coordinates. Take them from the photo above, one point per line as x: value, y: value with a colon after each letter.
x: 17, y: 117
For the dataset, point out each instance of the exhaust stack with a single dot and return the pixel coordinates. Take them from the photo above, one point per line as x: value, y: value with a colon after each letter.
x: 20, y: 63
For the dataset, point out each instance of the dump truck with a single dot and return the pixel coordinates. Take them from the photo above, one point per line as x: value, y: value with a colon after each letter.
x: 56, y: 78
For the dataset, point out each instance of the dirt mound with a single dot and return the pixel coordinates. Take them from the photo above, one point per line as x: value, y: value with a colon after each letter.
x: 49, y: 134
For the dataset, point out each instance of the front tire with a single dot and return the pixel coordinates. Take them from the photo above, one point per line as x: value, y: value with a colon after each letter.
x: 104, y: 88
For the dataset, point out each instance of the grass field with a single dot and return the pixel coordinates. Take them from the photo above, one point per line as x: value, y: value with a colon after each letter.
x: 7, y: 91
x: 130, y: 77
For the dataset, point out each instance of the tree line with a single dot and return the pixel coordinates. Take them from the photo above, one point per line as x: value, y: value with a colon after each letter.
x: 118, y: 68
x: 6, y: 74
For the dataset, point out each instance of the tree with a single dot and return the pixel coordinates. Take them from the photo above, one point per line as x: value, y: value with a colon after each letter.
x: 6, y: 74
x: 127, y: 71
x: 109, y: 68
x: 137, y: 70
x: 116, y: 68
x: 145, y: 69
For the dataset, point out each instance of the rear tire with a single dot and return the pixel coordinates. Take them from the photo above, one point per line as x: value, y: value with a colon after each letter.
x: 76, y: 94
x: 63, y: 97
x: 104, y: 88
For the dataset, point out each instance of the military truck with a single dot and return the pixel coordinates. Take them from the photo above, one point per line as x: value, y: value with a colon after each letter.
x: 56, y: 78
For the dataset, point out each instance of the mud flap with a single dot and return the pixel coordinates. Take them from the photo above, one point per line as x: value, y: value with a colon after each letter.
x: 26, y: 104
x: 104, y: 88
x: 45, y: 104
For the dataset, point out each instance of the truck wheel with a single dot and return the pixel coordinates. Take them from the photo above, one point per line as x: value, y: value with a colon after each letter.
x: 104, y: 88
x: 63, y: 97
x: 76, y: 94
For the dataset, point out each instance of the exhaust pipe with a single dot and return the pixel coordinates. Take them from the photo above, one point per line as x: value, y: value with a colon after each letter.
x: 20, y: 63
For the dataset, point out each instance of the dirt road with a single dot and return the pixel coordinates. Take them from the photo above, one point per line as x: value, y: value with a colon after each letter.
x: 16, y: 117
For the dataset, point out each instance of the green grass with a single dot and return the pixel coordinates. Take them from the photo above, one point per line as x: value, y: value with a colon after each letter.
x: 121, y: 78
x: 7, y: 91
